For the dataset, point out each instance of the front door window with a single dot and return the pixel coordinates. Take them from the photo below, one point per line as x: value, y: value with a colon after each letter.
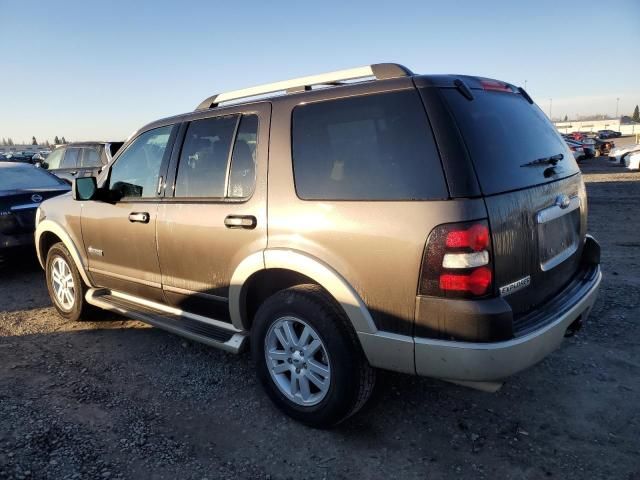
x: 137, y: 171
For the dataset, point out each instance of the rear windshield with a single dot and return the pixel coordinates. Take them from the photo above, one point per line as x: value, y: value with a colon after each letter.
x: 26, y: 178
x: 502, y: 132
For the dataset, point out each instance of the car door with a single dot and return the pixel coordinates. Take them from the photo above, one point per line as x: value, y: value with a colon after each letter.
x: 214, y: 213
x: 120, y: 236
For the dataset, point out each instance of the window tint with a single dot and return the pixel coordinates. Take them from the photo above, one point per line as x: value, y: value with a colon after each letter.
x: 53, y: 160
x: 203, y: 161
x: 502, y: 131
x: 90, y: 157
x: 70, y: 159
x: 137, y: 170
x: 242, y: 175
x: 374, y: 147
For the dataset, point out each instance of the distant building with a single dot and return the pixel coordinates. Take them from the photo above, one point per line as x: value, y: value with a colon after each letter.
x: 595, y: 125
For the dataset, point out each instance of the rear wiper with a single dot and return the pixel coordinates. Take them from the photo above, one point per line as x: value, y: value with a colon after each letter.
x: 552, y: 160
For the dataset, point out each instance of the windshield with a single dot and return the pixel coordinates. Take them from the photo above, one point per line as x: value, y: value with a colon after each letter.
x: 502, y: 132
x: 26, y: 178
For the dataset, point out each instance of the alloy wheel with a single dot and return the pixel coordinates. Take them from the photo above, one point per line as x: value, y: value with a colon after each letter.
x: 298, y: 361
x: 64, y: 288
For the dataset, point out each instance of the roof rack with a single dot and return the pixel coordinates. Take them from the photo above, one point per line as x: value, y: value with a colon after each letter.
x: 379, y: 71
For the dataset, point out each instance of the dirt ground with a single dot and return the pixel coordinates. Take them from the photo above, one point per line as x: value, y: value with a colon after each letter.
x: 113, y: 398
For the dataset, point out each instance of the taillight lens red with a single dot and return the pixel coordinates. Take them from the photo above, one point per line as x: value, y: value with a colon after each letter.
x: 467, y: 271
x: 476, y: 238
x: 477, y: 282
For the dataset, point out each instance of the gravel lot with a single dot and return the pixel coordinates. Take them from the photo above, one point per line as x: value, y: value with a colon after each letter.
x: 112, y: 398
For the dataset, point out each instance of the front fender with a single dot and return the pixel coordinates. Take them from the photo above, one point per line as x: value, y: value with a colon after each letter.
x: 48, y: 225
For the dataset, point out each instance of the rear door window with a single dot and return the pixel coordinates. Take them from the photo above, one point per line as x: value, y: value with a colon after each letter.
x: 503, y: 132
x: 372, y: 147
x: 242, y: 173
x: 90, y: 157
x: 202, y: 171
x: 70, y: 159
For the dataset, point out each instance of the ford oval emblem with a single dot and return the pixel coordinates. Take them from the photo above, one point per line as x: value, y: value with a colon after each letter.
x: 563, y: 201
x: 35, y: 198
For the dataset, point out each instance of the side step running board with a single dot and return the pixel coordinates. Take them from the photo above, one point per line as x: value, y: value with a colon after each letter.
x: 194, y: 327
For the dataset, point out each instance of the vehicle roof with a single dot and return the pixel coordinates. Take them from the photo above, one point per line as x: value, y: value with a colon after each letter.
x: 88, y: 143
x: 431, y: 80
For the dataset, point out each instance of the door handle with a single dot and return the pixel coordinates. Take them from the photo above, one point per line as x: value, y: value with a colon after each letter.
x: 140, y: 217
x: 241, y: 221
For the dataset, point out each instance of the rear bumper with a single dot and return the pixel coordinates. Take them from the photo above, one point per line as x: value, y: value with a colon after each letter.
x: 484, y: 362
x: 537, y: 335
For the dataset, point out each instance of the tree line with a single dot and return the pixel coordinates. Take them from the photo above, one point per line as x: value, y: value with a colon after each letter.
x: 8, y: 142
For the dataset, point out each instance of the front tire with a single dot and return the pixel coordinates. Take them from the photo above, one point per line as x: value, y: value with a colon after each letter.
x: 64, y: 283
x: 308, y: 357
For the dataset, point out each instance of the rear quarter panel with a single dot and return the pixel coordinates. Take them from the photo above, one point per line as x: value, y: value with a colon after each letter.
x: 376, y: 246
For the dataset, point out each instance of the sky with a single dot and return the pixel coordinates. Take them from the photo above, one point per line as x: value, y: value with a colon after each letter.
x: 90, y: 70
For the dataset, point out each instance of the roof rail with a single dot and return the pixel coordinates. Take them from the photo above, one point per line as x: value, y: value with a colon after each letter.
x: 379, y: 71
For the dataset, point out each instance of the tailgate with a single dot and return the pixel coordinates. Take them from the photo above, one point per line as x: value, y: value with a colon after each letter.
x: 537, y: 243
x: 532, y: 188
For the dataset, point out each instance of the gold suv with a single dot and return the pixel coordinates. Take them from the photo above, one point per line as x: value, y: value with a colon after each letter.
x: 339, y: 223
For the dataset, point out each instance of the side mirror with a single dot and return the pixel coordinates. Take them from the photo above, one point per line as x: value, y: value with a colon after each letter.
x: 84, y: 188
x: 38, y: 164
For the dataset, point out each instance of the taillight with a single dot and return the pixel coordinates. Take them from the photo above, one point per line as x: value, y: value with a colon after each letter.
x: 475, y: 237
x: 457, y: 261
x: 477, y: 282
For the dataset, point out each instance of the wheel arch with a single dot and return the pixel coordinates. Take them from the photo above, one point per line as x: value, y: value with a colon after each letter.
x: 48, y: 233
x: 283, y: 268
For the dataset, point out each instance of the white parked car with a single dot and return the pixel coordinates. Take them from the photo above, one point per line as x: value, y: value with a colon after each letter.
x: 619, y: 154
x: 632, y: 160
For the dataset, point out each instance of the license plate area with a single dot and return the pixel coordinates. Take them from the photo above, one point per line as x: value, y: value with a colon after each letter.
x: 558, y: 233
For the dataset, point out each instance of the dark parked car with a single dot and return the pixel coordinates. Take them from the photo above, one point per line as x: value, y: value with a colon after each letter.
x: 24, y: 157
x: 608, y: 134
x: 577, y: 149
x: 582, y: 149
x: 84, y: 159
x: 22, y: 188
x: 604, y: 147
x: 577, y: 136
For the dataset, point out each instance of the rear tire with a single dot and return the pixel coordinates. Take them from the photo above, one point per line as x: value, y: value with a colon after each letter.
x: 298, y: 332
x: 64, y: 283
